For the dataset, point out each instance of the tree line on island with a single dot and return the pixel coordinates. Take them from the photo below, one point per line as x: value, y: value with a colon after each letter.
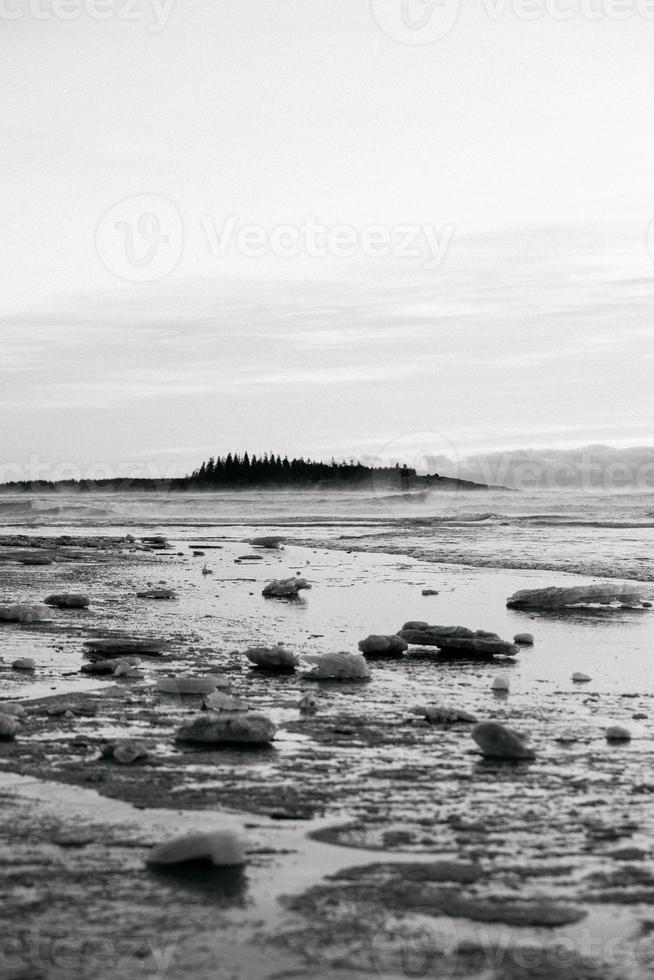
x: 242, y: 471
x: 234, y: 470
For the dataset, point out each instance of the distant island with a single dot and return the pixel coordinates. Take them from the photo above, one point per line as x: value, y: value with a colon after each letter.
x: 239, y: 472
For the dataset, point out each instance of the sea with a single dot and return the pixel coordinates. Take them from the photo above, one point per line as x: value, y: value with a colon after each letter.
x: 596, y: 534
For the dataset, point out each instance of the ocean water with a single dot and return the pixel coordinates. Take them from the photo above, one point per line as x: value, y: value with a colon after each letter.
x: 594, y: 534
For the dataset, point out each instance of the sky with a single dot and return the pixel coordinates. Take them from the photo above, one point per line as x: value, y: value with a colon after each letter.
x: 374, y: 229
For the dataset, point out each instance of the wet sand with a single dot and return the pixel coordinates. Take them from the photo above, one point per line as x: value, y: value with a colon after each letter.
x: 363, y: 784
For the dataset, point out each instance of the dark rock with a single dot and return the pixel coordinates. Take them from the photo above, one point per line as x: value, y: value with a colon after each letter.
x: 498, y: 742
x: 275, y: 659
x: 618, y: 734
x: 460, y: 641
x: 271, y: 541
x: 222, y: 848
x: 214, y: 729
x: 68, y: 601
x: 287, y: 588
x: 581, y: 595
x: 383, y: 646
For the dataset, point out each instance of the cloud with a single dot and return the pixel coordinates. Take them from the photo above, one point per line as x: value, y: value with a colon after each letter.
x: 594, y: 468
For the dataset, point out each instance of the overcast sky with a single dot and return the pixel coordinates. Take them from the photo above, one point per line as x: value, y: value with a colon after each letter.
x: 296, y: 225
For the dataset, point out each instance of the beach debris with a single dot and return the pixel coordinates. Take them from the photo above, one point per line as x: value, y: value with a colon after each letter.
x: 308, y: 704
x: 498, y: 742
x: 286, y: 588
x: 337, y: 667
x: 616, y: 733
x: 21, y: 612
x: 24, y: 663
x: 383, y: 646
x: 180, y: 684
x: 524, y: 639
x: 249, y: 558
x: 430, y: 592
x: 206, y: 570
x: 458, y: 640
x: 104, y: 665
x: 157, y: 594
x: 443, y: 714
x: 580, y: 678
x: 13, y: 708
x: 273, y: 542
x: 276, y: 659
x: 198, y: 554
x: 125, y: 646
x: 68, y: 600
x: 9, y: 725
x: 501, y: 684
x: 222, y: 848
x: 248, y: 728
x: 127, y: 751
x: 35, y: 560
x: 221, y: 701
x: 608, y: 594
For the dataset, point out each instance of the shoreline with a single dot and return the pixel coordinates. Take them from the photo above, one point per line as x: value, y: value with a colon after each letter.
x: 382, y: 784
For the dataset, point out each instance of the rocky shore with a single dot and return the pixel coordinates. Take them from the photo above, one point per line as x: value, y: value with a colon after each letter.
x: 442, y: 796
